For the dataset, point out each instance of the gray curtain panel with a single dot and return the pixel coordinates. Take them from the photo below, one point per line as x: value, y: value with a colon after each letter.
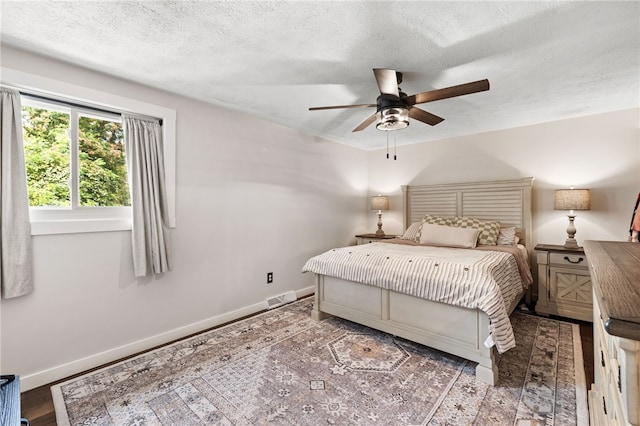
x: 145, y: 168
x: 16, y: 258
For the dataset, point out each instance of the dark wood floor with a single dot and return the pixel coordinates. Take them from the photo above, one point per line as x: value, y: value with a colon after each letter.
x: 37, y: 404
x: 586, y: 335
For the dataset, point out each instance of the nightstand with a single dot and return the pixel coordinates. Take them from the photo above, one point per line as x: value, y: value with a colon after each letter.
x: 372, y: 238
x: 564, y: 282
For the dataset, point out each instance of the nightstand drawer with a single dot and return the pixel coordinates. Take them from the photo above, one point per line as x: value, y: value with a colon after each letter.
x: 360, y: 240
x: 568, y: 259
x: 372, y: 238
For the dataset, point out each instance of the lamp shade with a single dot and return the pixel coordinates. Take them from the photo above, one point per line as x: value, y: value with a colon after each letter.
x: 572, y: 199
x: 380, y: 202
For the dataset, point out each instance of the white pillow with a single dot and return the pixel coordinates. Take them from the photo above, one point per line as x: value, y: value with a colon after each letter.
x: 448, y: 236
x: 410, y: 233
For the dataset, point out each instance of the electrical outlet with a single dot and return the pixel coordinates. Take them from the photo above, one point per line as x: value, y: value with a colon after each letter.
x: 269, y: 277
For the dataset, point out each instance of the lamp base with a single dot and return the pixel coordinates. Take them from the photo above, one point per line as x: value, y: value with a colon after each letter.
x: 571, y: 243
x: 379, y: 232
x: 571, y: 231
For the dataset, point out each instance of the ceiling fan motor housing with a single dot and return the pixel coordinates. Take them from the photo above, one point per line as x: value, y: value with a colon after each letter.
x: 392, y: 112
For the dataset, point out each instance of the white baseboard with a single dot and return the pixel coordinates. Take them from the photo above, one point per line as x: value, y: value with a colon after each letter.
x: 31, y: 381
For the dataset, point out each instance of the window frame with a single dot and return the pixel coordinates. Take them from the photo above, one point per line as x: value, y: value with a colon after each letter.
x: 64, y: 220
x: 75, y: 113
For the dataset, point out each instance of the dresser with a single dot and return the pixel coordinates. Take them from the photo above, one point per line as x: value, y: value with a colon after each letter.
x: 614, y: 398
x: 372, y: 238
x: 10, y: 401
x: 564, y: 283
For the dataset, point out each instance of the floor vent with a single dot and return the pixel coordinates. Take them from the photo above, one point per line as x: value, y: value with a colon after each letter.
x: 282, y: 299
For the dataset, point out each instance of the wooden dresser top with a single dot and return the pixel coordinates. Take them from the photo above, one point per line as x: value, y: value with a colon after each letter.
x: 615, y: 273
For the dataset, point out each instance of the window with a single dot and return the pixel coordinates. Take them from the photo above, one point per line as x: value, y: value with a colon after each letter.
x: 85, y: 190
x: 76, y: 167
x: 74, y: 159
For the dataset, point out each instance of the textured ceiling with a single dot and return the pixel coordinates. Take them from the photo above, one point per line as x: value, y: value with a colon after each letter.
x: 545, y: 60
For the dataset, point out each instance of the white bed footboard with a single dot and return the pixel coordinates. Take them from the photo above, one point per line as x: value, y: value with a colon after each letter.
x: 452, y: 329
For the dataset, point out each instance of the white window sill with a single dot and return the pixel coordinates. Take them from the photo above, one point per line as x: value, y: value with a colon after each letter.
x: 49, y: 227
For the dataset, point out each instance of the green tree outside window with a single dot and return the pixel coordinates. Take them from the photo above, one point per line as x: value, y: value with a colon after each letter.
x: 101, y: 159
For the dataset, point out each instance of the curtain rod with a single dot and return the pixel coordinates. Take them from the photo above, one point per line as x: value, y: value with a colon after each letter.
x: 77, y: 105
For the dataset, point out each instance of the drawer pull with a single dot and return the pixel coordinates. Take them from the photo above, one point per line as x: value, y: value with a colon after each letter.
x: 580, y: 259
x: 604, y: 406
x: 619, y: 380
x: 602, y: 358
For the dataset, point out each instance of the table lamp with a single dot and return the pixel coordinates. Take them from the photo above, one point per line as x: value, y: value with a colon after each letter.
x: 572, y: 199
x: 380, y: 202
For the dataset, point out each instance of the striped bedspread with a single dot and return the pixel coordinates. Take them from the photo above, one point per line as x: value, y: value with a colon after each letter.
x: 477, y: 279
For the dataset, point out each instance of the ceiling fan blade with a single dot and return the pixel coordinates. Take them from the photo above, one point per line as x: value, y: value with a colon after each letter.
x: 387, y: 81
x: 448, y: 92
x: 343, y: 106
x: 366, y: 123
x: 424, y: 116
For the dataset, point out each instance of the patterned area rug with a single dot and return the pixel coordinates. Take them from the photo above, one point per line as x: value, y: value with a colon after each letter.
x: 281, y: 367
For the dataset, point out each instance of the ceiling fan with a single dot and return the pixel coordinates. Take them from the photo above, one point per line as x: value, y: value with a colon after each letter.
x: 394, y: 107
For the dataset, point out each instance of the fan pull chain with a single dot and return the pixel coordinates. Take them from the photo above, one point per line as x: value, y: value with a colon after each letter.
x: 387, y: 145
x: 394, y: 146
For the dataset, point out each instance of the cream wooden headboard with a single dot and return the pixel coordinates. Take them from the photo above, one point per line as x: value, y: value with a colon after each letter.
x: 506, y: 201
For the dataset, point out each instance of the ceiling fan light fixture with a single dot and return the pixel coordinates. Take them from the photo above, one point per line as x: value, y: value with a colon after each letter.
x: 394, y: 118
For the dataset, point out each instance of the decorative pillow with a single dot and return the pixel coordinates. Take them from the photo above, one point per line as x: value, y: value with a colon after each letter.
x: 434, y: 220
x: 448, y: 236
x: 410, y: 233
x: 489, y: 230
x: 507, y: 237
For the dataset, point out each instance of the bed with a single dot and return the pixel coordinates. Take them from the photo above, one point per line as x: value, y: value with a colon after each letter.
x: 453, y: 329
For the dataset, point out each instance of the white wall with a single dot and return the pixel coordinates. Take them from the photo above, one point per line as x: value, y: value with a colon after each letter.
x: 600, y: 152
x: 252, y: 198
